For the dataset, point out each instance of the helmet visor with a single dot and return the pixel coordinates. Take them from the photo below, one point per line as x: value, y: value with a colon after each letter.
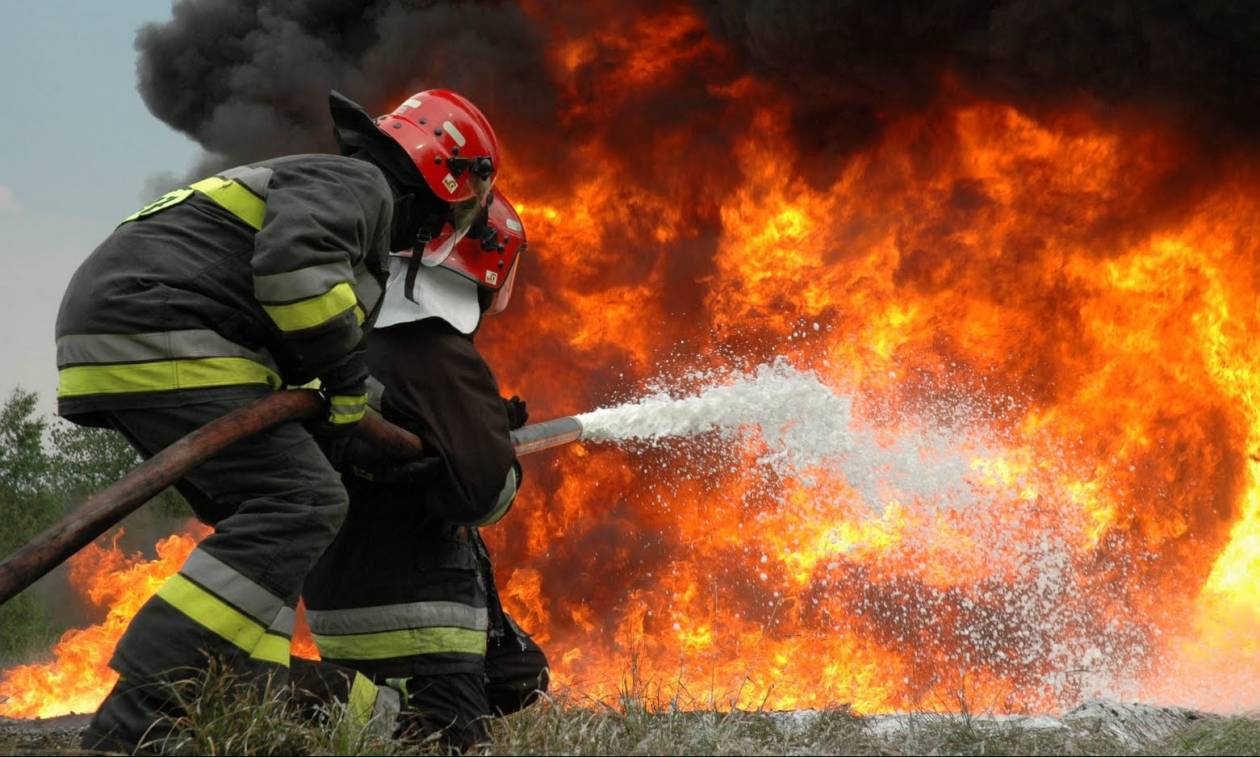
x: 464, y: 215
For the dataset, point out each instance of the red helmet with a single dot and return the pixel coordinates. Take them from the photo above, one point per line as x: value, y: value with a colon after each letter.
x: 449, y: 140
x: 453, y: 145
x: 491, y: 258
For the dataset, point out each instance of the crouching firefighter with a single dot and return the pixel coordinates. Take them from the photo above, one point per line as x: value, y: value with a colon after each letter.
x: 405, y: 594
x: 261, y: 276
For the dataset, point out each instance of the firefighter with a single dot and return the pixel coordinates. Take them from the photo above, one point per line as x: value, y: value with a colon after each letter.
x: 223, y: 291
x: 405, y: 594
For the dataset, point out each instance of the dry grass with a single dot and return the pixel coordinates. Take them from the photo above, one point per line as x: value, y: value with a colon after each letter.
x: 224, y: 717
x: 560, y: 728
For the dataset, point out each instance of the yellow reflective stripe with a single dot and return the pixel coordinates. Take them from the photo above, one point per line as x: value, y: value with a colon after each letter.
x: 362, y: 700
x: 336, y: 418
x: 272, y: 648
x: 359, y: 315
x: 163, y: 376
x: 432, y: 614
x: 305, y: 314
x: 352, y: 400
x: 343, y: 408
x: 174, y: 197
x: 235, y: 199
x: 402, y: 643
x: 213, y: 613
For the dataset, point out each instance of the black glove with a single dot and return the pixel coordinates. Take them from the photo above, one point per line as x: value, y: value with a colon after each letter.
x: 385, y: 471
x: 516, y: 412
x: 344, y: 408
x: 358, y: 457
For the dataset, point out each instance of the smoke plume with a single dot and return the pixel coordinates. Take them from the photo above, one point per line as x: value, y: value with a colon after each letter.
x: 1195, y: 63
x: 249, y: 80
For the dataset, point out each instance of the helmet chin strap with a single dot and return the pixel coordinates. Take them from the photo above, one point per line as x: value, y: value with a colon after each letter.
x: 427, y: 230
x: 423, y: 237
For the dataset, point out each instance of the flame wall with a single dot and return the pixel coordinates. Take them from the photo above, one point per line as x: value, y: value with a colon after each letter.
x: 1085, y: 283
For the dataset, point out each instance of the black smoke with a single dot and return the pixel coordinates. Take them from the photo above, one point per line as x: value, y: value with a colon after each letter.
x: 852, y: 65
x: 249, y: 79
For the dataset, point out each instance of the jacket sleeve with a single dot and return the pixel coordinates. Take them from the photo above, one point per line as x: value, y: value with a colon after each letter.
x: 324, y: 218
x: 438, y: 386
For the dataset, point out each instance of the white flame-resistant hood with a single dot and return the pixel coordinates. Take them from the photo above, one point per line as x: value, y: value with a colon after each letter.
x: 439, y: 293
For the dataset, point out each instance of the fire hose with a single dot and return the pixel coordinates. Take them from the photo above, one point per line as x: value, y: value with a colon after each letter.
x: 107, y: 507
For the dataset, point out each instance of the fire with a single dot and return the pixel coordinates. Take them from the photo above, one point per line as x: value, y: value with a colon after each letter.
x: 1041, y: 271
x: 1072, y: 298
x: 116, y: 583
x: 78, y: 678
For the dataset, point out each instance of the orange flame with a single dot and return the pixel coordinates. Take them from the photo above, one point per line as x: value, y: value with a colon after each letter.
x: 1036, y: 269
x: 78, y: 677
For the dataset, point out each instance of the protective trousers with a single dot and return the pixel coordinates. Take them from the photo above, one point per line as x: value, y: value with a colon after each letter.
x: 408, y: 601
x: 457, y: 706
x: 275, y: 503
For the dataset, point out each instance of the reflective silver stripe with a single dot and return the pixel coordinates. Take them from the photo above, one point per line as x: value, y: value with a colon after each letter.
x: 376, y: 392
x: 256, y: 179
x: 367, y: 288
x: 385, y: 710
x: 397, y: 618
x: 80, y: 349
x: 232, y: 587
x: 339, y: 408
x: 283, y: 624
x: 506, y: 496
x: 301, y: 284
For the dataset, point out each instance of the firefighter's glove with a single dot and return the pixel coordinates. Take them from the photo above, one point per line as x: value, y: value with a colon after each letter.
x: 344, y: 408
x: 516, y: 412
x: 345, y: 396
x: 384, y: 471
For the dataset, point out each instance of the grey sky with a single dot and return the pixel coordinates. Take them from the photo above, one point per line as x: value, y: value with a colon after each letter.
x: 76, y: 148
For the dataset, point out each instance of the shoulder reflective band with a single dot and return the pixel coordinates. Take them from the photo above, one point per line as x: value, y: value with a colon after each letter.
x: 232, y: 196
x: 173, y: 197
x: 235, y: 199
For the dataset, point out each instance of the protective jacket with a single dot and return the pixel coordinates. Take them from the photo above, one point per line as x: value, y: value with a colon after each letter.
x: 405, y: 588
x: 260, y: 276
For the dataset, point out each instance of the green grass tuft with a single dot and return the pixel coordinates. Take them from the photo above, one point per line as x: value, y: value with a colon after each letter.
x: 225, y: 714
x: 1232, y: 735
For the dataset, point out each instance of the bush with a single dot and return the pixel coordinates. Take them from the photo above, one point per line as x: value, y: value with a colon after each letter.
x: 46, y: 470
